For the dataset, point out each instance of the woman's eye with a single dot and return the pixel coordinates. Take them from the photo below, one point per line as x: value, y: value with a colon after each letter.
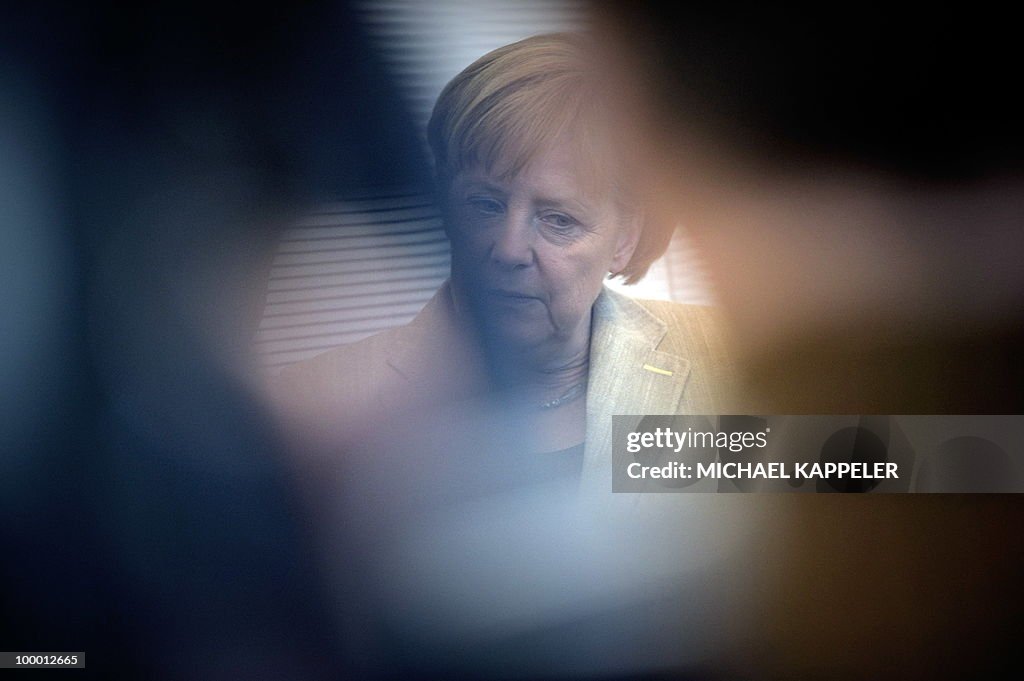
x: 559, y: 220
x: 486, y: 206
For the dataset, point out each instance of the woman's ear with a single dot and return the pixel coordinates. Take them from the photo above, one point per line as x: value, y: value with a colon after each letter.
x: 629, y: 237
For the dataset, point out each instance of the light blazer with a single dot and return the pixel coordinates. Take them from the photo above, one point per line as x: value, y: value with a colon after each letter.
x: 646, y: 357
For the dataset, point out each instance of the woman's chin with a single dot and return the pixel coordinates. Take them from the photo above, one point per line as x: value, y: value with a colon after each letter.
x: 516, y: 335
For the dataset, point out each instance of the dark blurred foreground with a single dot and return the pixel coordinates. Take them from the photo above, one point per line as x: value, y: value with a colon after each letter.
x: 150, y: 154
x: 854, y: 179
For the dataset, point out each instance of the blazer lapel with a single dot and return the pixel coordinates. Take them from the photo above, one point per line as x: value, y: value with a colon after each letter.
x: 434, y: 356
x: 628, y: 375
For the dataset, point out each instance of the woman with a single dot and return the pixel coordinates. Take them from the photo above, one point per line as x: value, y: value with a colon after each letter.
x: 459, y: 467
x: 539, y: 211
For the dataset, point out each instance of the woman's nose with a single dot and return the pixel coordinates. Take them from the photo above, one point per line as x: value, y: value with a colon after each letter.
x: 513, y: 243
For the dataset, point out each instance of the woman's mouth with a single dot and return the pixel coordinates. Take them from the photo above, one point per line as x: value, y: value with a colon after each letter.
x: 511, y: 296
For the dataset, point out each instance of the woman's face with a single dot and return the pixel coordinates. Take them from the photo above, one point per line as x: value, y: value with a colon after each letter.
x: 530, y: 252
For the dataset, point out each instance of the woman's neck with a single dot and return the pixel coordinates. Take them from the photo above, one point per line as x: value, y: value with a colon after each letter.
x: 545, y: 374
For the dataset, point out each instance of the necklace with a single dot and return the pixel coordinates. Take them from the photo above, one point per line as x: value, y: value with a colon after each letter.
x: 571, y: 394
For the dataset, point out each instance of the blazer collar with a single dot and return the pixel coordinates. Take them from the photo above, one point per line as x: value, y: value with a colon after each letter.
x: 435, y: 355
x: 628, y: 375
x: 433, y: 325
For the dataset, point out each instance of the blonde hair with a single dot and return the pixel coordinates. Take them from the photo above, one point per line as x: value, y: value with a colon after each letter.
x: 512, y: 103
